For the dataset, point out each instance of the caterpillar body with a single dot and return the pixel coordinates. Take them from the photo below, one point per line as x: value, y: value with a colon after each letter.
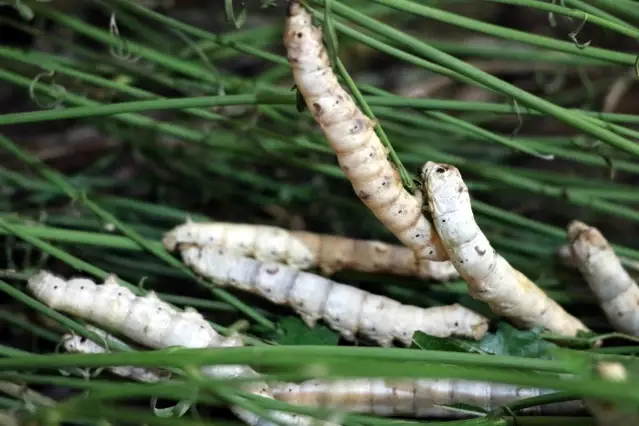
x: 414, y: 398
x: 614, y: 288
x: 490, y: 277
x: 346, y: 309
x: 151, y: 322
x: 607, y: 413
x: 303, y: 250
x: 80, y: 344
x: 350, y: 133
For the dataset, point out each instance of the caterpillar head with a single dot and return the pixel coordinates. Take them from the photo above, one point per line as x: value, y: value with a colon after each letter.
x: 178, y: 234
x: 585, y: 241
x: 466, y: 322
x: 443, y: 187
x: 300, y: 36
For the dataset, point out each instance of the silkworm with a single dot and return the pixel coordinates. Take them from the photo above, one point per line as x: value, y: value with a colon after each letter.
x: 351, y: 134
x: 608, y: 413
x: 414, y: 398
x: 80, y: 344
x: 346, y: 309
x: 490, y: 277
x: 613, y: 287
x: 150, y: 322
x: 304, y: 250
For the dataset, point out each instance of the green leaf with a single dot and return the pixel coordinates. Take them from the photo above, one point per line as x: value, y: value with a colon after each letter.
x: 509, y: 340
x: 297, y: 333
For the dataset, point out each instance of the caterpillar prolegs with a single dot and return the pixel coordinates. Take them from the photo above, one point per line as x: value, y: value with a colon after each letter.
x: 350, y: 133
x: 415, y: 398
x: 490, y: 277
x: 614, y: 288
x: 153, y: 323
x: 346, y: 309
x: 80, y: 344
x: 303, y: 250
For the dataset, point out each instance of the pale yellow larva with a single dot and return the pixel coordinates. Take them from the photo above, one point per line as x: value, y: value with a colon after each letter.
x: 303, y: 250
x: 608, y: 413
x: 346, y: 309
x: 80, y: 344
x: 151, y: 322
x: 351, y: 134
x: 490, y: 277
x: 614, y: 288
x: 414, y: 398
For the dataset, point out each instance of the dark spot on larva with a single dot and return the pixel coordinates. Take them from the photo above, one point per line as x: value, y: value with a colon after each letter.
x: 460, y: 189
x: 440, y: 170
x: 201, y: 327
x: 119, y: 293
x: 430, y: 252
x: 317, y: 108
x: 371, y: 155
x: 456, y: 324
x: 81, y: 287
x: 461, y: 261
x: 211, y: 238
x: 480, y: 251
x: 619, y: 314
x: 55, y: 287
x: 374, y: 329
x: 146, y: 329
x: 400, y: 212
x: 444, y: 221
x: 271, y: 270
x: 300, y: 35
x: 336, y: 319
x: 268, y: 290
x: 363, y: 195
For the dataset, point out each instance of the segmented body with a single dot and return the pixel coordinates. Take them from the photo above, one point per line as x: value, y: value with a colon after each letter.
x: 614, y: 288
x: 490, y: 277
x: 415, y: 398
x: 151, y: 322
x: 80, y: 344
x: 303, y: 250
x: 351, y: 134
x: 346, y: 309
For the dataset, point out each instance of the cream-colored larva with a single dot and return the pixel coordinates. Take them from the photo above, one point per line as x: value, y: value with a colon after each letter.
x: 607, y: 413
x: 80, y: 344
x: 614, y: 288
x: 303, y: 250
x: 351, y: 134
x: 346, y: 309
x: 414, y: 398
x: 490, y: 277
x: 151, y: 322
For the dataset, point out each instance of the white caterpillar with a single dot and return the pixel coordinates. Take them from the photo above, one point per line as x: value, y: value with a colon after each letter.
x: 303, y: 250
x: 150, y: 322
x: 610, y: 414
x: 415, y: 398
x: 490, y: 277
x: 616, y: 291
x: 351, y: 134
x: 346, y: 309
x: 80, y: 344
